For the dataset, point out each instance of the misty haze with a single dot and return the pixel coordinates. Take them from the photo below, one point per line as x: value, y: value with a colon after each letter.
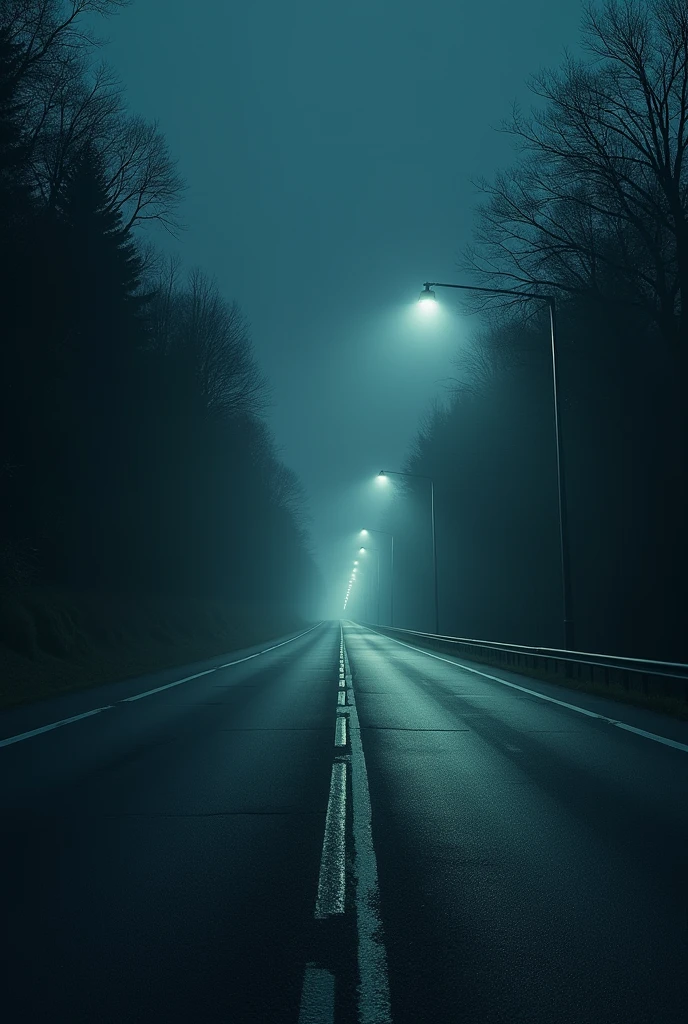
x: 344, y: 512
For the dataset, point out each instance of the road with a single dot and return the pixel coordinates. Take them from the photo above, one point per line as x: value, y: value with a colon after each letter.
x: 343, y: 828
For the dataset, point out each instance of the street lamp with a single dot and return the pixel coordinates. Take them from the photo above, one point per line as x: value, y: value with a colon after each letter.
x: 352, y: 580
x: 384, y: 533
x: 427, y: 299
x: 382, y: 475
x: 377, y: 555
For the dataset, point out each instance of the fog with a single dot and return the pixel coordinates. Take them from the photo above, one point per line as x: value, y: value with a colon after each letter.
x: 214, y: 337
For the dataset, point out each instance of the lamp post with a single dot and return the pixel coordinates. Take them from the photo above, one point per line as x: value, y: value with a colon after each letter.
x: 383, y: 533
x: 389, y: 472
x: 364, y: 551
x: 427, y: 296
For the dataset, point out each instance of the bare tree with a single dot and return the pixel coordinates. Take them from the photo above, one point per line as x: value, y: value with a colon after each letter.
x: 144, y: 184
x: 210, y: 337
x: 599, y: 202
x: 69, y: 109
x: 49, y: 28
x: 69, y: 101
x: 288, y: 492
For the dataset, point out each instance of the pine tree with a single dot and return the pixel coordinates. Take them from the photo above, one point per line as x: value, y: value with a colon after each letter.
x: 15, y: 261
x: 104, y: 265
x: 101, y: 330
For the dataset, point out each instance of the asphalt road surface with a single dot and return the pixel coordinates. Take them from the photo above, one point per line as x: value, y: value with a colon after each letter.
x: 343, y: 828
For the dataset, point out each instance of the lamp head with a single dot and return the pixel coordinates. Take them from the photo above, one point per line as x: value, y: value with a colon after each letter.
x: 427, y: 299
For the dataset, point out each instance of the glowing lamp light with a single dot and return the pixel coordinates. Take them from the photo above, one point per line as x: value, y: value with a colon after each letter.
x: 427, y: 299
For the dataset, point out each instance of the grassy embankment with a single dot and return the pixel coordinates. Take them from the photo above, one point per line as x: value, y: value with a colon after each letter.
x: 52, y: 641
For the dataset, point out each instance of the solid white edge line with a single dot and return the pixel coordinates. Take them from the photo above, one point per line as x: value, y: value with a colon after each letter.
x: 553, y: 700
x: 374, y: 1004
x: 87, y: 714
x: 273, y: 648
x: 53, y: 725
x: 317, y: 996
x: 332, y: 877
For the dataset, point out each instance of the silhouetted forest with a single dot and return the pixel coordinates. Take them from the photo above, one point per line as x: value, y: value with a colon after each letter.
x: 595, y: 212
x: 134, y: 457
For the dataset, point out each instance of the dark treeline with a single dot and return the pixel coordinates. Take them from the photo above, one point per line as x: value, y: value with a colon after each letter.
x: 134, y: 457
x: 595, y: 212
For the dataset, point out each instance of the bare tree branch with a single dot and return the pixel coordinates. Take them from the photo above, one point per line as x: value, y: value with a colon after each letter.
x: 598, y: 201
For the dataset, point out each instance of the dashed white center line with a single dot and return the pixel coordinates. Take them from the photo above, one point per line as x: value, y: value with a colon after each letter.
x: 318, y: 992
x: 374, y: 1004
x: 317, y: 996
x: 331, y: 881
x: 340, y: 731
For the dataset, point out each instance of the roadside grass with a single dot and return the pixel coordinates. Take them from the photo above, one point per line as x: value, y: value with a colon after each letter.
x: 54, y: 641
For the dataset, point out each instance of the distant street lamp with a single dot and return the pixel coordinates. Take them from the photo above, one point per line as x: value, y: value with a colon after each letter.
x: 427, y: 301
x: 352, y: 580
x: 384, y: 533
x: 382, y: 476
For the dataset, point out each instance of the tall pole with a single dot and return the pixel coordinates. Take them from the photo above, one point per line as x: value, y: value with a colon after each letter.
x: 384, y: 533
x: 561, y: 491
x: 434, y: 555
x: 420, y: 476
x: 561, y: 482
x: 391, y: 585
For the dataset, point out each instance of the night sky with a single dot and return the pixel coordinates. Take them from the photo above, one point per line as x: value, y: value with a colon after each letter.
x: 328, y: 153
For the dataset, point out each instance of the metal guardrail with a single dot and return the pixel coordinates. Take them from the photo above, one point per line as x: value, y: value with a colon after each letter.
x: 634, y: 675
